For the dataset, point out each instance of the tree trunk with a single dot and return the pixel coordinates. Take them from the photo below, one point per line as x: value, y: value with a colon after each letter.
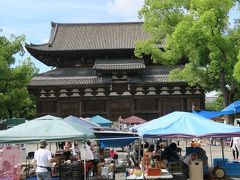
x: 226, y: 94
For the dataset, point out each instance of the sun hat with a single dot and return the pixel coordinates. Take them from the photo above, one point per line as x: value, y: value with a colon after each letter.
x: 43, y: 143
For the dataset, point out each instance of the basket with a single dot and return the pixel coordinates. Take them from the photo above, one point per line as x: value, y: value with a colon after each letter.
x: 137, y: 172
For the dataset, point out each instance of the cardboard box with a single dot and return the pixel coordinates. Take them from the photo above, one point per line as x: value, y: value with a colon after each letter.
x: 161, y: 164
x: 153, y: 171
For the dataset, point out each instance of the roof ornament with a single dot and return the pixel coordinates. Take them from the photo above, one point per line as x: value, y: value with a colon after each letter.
x: 53, y: 34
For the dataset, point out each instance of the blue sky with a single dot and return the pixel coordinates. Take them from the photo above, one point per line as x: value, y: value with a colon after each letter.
x: 33, y: 17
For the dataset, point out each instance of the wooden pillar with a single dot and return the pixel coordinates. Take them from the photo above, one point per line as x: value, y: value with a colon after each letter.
x: 58, y: 102
x: 80, y: 107
x: 132, y: 106
x: 108, y: 111
x: 159, y: 107
x: 182, y: 103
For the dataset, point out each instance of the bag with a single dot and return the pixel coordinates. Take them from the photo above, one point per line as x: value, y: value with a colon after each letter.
x: 48, y: 168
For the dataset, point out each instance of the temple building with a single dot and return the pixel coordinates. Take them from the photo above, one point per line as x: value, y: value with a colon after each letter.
x: 95, y: 72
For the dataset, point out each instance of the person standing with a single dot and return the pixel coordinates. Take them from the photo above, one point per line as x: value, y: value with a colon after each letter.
x: 43, y: 158
x: 234, y: 144
x: 170, y: 153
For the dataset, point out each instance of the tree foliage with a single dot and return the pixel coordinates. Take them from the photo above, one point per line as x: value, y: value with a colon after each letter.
x: 14, y: 98
x: 198, y: 33
x: 216, y: 105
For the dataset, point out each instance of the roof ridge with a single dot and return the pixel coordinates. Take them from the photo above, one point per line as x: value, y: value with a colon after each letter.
x: 97, y: 23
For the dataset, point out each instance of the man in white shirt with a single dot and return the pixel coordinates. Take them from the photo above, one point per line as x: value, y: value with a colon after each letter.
x: 43, y: 158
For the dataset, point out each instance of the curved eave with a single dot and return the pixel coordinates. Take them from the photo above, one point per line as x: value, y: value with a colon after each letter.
x: 37, y: 51
x: 47, y: 48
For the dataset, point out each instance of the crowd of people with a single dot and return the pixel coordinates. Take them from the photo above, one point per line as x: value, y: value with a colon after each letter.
x: 93, y: 154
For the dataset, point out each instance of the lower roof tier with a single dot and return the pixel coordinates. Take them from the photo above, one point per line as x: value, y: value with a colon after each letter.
x: 88, y: 77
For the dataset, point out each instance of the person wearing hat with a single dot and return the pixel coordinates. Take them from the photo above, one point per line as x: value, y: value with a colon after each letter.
x: 43, y: 158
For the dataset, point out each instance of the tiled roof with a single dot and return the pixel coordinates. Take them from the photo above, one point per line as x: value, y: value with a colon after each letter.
x: 67, y: 81
x: 156, y: 74
x: 92, y: 36
x: 86, y: 76
x: 69, y: 72
x: 161, y: 78
x: 119, y: 64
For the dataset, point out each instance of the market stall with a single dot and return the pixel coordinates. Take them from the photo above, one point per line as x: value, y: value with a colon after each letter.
x: 186, y: 125
x: 49, y: 128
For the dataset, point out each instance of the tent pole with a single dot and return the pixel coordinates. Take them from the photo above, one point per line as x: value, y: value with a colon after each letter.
x: 139, y: 146
x: 143, y: 163
x: 211, y: 151
x: 84, y: 160
x: 222, y: 148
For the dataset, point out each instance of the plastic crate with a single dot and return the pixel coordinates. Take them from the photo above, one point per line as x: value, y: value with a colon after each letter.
x: 219, y: 161
x: 70, y: 171
x: 232, y: 172
x: 231, y: 168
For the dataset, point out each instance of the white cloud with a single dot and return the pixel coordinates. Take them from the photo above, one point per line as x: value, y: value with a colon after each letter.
x: 125, y: 8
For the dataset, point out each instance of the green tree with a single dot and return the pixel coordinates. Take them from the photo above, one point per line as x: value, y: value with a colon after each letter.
x: 14, y: 98
x: 196, y: 33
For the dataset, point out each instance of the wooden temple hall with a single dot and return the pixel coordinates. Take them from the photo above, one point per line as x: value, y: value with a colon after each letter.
x: 95, y: 72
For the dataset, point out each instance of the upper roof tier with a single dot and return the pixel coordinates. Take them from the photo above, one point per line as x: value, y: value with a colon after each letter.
x: 92, y: 36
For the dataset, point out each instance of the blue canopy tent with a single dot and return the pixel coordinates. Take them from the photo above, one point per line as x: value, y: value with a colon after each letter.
x: 115, y: 139
x: 233, y: 108
x: 100, y: 120
x: 86, y: 123
x: 186, y: 125
x: 230, y: 109
x: 209, y: 114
